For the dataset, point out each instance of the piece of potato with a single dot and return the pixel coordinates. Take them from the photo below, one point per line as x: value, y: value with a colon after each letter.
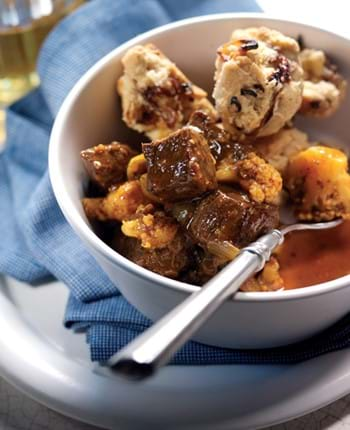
x: 319, y: 184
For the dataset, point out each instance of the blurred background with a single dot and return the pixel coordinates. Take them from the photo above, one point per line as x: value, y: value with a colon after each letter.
x: 24, y: 25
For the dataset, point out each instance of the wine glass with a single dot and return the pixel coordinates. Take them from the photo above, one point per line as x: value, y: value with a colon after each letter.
x: 24, y: 25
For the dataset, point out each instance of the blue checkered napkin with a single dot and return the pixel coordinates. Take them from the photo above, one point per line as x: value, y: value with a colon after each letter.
x: 113, y: 322
x: 36, y: 242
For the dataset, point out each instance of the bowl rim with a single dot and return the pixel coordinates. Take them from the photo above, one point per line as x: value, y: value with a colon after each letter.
x: 88, y: 236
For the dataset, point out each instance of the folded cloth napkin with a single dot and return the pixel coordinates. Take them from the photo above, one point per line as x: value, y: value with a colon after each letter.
x: 36, y: 240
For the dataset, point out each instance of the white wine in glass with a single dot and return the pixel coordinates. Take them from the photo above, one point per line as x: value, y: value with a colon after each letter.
x: 24, y: 25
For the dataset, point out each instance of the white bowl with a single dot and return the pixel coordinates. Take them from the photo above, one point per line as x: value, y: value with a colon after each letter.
x: 91, y: 115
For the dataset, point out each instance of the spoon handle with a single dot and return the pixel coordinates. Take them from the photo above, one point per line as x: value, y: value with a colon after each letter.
x: 155, y: 347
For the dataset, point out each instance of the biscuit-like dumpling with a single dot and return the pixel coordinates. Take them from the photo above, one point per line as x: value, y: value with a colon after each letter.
x: 324, y: 88
x: 280, y: 147
x: 157, y: 98
x: 259, y: 82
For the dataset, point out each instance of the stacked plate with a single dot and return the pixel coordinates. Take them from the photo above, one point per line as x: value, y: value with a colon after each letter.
x: 51, y: 364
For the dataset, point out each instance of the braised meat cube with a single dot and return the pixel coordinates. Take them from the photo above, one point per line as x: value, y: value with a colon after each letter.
x: 205, y: 266
x: 319, y: 184
x: 238, y: 164
x: 208, y: 265
x: 119, y: 204
x: 221, y: 143
x: 106, y: 164
x: 222, y: 217
x: 208, y: 262
x: 157, y: 98
x: 169, y: 260
x: 180, y: 166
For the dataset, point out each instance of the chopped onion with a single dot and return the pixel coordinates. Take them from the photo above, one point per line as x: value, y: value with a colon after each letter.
x: 224, y: 250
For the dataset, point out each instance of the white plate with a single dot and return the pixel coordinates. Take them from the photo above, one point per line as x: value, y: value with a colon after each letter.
x: 51, y: 365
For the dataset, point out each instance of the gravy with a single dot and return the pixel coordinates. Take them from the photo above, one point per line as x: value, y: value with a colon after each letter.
x: 311, y: 257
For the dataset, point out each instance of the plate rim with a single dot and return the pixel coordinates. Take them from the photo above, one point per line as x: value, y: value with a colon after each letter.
x: 62, y: 384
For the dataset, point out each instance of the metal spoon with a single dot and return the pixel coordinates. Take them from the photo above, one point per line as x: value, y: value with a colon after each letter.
x: 154, y: 348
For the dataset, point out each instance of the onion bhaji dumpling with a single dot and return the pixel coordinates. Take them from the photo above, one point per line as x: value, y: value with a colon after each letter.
x: 280, y: 147
x: 259, y: 82
x: 324, y: 88
x: 157, y: 98
x: 319, y: 184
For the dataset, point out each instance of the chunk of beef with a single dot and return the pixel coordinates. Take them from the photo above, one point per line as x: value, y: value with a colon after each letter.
x: 220, y: 142
x: 168, y: 260
x: 207, y: 265
x: 223, y: 217
x: 237, y: 163
x: 180, y: 166
x: 106, y: 164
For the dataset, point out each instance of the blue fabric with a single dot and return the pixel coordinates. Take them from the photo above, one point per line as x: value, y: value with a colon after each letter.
x: 36, y: 242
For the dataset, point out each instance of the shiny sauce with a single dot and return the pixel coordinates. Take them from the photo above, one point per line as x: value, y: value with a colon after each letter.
x: 311, y: 257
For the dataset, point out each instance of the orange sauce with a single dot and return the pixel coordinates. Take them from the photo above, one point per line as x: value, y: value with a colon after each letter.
x: 312, y: 257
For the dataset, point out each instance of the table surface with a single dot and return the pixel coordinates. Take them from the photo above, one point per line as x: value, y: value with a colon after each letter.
x: 18, y: 412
